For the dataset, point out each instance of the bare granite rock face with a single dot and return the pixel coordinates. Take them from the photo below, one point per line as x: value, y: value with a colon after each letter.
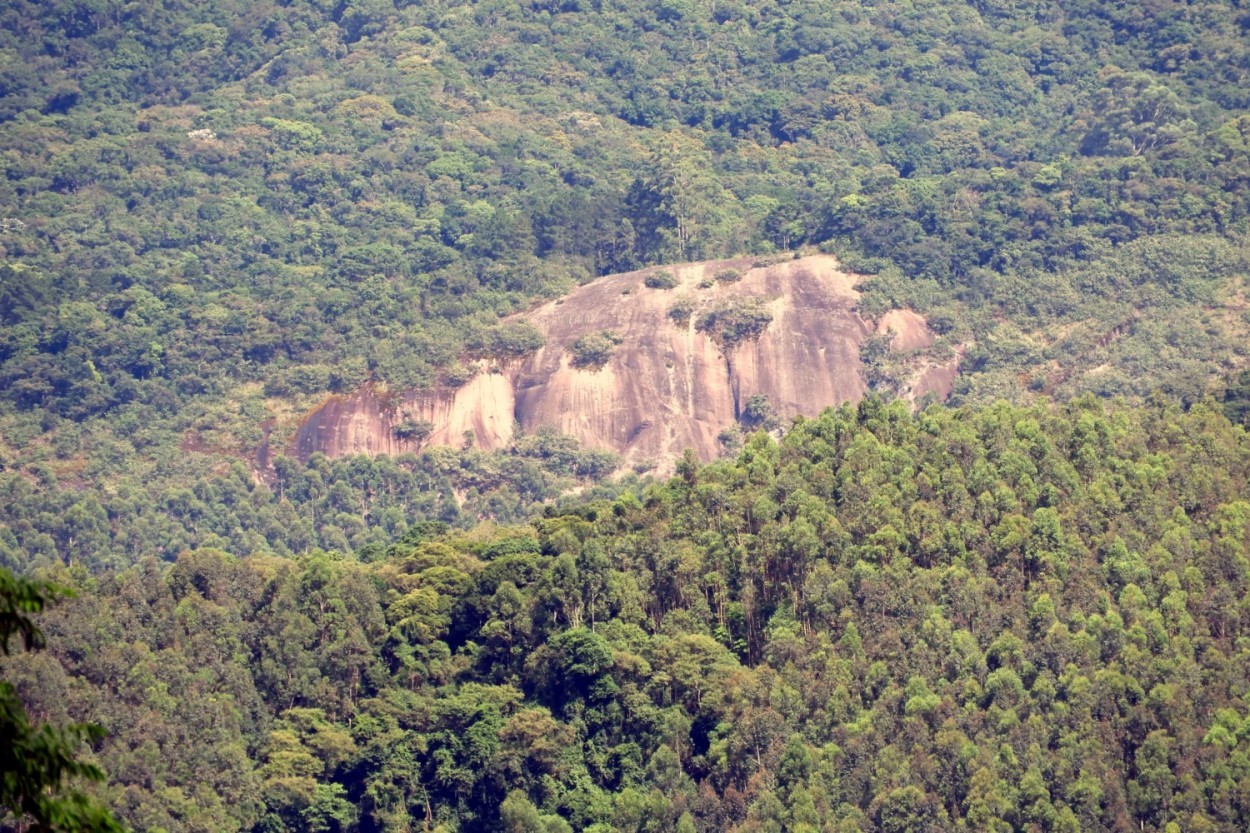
x: 671, y: 382
x: 356, y: 424
x: 907, y: 329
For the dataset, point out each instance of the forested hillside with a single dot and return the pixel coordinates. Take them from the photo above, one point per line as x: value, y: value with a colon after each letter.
x: 1028, y: 611
x: 214, y: 214
x: 308, y: 196
x: 985, y: 620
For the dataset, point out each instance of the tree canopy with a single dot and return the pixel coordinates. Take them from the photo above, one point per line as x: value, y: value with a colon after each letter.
x: 964, y: 619
x: 39, y: 765
x: 215, y: 215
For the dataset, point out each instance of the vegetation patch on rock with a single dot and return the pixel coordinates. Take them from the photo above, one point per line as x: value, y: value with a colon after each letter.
x: 660, y: 280
x: 682, y: 310
x: 734, y: 320
x: 506, y: 341
x: 592, y: 351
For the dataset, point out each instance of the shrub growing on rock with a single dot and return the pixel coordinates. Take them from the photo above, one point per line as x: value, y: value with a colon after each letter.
x: 593, y: 350
x: 660, y: 280
x: 735, y: 320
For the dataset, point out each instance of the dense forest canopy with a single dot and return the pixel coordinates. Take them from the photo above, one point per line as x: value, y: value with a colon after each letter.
x: 214, y: 214
x: 998, y: 619
x: 180, y: 176
x: 1029, y: 611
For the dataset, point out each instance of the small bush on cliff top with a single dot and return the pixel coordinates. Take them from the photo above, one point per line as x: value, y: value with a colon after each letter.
x: 660, y: 280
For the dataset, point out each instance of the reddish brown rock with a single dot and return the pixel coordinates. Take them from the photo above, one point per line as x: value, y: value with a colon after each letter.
x: 357, y: 424
x: 907, y: 328
x: 666, y: 386
x: 935, y: 381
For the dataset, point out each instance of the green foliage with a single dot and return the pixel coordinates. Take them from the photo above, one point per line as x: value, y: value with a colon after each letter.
x: 507, y: 341
x: 758, y: 413
x: 357, y: 503
x: 215, y: 212
x: 874, y: 352
x: 957, y: 619
x: 39, y: 765
x: 413, y: 430
x: 734, y: 320
x: 660, y: 280
x: 681, y: 311
x: 592, y: 351
x: 19, y: 599
x: 210, y: 204
x: 1237, y: 400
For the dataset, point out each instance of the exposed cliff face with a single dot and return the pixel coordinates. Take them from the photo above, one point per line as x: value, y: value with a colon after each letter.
x: 667, y: 385
x: 484, y: 407
x: 365, y: 422
x: 356, y: 424
x: 907, y: 329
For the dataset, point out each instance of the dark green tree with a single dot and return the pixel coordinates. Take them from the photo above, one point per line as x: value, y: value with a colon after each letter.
x: 39, y: 764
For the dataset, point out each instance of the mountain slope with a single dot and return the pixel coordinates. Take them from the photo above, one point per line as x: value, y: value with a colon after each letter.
x: 960, y: 620
x: 215, y: 216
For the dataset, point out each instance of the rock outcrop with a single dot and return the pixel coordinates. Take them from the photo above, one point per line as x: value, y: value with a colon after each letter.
x: 907, y: 330
x: 356, y: 424
x: 670, y: 383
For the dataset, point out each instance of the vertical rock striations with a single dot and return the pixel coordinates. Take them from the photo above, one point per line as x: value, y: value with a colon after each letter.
x: 667, y: 380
